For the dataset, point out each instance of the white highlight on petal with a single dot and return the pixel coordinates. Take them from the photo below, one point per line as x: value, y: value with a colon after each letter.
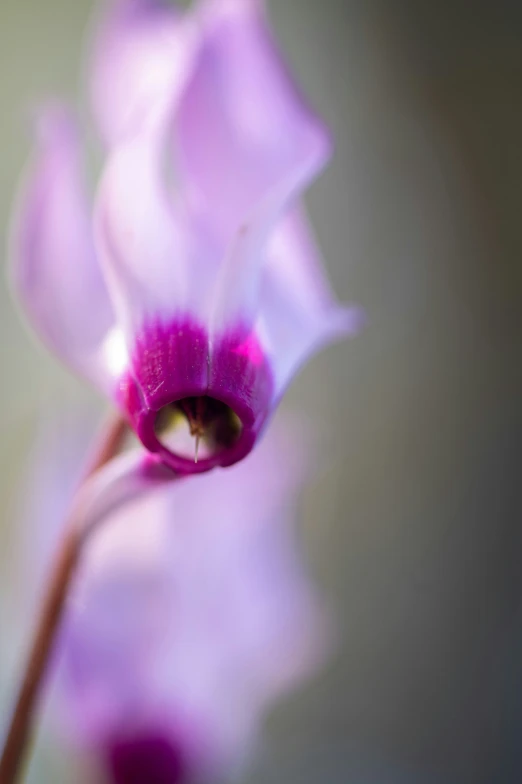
x: 115, y: 352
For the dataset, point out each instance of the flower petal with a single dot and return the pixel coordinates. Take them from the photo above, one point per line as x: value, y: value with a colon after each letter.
x: 136, y: 46
x: 237, y: 296
x: 54, y: 269
x: 241, y: 126
x: 154, y: 258
x: 299, y: 314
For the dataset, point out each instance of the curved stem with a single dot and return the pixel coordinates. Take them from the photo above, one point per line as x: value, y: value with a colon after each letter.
x: 51, y: 613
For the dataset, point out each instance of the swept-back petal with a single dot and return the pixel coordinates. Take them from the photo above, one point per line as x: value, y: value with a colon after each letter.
x: 136, y: 46
x: 153, y: 257
x: 54, y: 268
x: 241, y: 127
x: 237, y: 296
x: 299, y: 314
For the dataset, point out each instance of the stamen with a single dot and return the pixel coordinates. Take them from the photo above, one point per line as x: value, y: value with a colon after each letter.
x: 211, y: 423
x: 196, y: 422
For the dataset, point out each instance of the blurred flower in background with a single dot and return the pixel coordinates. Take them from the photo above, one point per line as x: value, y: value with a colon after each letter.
x: 199, y: 291
x: 191, y: 615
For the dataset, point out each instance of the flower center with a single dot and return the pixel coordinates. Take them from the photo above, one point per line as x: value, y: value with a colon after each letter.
x: 197, y: 427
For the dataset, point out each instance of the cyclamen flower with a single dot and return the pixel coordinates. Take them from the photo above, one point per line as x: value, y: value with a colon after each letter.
x: 191, y: 614
x: 196, y: 291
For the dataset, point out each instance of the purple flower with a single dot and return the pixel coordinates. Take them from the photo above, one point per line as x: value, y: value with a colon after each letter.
x: 197, y: 291
x: 191, y: 613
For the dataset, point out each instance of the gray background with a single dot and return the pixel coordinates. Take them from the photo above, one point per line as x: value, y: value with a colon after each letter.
x: 413, y: 523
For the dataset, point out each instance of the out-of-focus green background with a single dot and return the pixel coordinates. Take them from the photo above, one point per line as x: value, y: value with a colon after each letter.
x: 413, y: 524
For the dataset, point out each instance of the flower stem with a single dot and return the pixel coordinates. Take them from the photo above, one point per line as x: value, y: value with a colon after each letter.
x: 51, y: 613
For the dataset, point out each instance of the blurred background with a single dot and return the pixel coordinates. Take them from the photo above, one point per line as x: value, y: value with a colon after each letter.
x: 413, y: 524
